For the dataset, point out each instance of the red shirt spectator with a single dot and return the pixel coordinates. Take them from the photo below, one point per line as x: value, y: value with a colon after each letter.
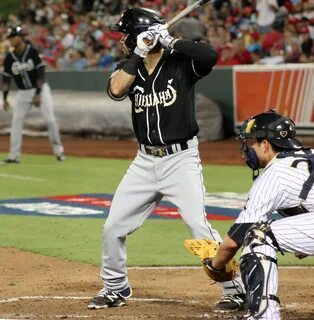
x: 241, y: 54
x: 226, y: 57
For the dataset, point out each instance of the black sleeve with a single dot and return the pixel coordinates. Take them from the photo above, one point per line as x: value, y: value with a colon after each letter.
x: 6, y: 79
x: 203, y: 54
x: 41, y: 73
x: 238, y: 231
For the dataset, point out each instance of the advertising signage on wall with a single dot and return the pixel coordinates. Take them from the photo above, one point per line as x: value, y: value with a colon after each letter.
x: 288, y: 88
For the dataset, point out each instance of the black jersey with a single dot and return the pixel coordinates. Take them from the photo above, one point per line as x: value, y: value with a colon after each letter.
x: 163, y: 103
x: 23, y: 68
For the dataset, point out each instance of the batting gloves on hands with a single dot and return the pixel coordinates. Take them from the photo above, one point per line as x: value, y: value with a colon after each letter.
x: 166, y: 40
x: 145, y: 42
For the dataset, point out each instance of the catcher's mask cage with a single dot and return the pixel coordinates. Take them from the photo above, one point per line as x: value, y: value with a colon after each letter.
x: 134, y: 21
x: 16, y: 31
x: 271, y: 126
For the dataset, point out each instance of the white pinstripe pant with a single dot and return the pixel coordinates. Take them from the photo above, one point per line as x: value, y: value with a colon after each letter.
x: 295, y: 235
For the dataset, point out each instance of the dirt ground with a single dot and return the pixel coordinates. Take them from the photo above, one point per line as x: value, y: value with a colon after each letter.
x: 220, y: 152
x: 39, y: 287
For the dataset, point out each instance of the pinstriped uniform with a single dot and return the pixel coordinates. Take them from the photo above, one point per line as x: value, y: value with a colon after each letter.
x: 279, y: 187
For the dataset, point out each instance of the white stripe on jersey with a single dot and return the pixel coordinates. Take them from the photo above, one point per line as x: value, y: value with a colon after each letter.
x: 24, y: 75
x: 277, y: 187
x: 193, y: 67
x: 156, y: 106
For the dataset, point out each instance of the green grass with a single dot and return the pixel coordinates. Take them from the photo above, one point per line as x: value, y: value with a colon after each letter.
x: 94, y: 175
x: 158, y: 242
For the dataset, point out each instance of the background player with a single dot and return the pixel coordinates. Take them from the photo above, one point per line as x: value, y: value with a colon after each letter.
x: 268, y: 141
x: 159, y: 79
x: 25, y: 66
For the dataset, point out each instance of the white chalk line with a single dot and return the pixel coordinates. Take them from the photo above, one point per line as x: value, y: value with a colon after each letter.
x: 200, y: 267
x: 12, y: 176
x: 24, y: 298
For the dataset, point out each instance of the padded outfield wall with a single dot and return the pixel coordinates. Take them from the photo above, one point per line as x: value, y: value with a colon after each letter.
x: 239, y: 91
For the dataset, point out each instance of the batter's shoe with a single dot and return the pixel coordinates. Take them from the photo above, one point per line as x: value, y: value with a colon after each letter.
x: 10, y: 161
x: 246, y: 317
x: 109, y: 299
x: 60, y: 157
x: 231, y: 302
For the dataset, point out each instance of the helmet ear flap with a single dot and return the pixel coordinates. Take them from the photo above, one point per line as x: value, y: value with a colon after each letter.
x: 130, y: 44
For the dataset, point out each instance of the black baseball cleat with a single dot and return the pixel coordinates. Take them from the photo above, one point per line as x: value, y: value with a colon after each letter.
x: 231, y: 302
x: 109, y: 299
x: 10, y: 161
x: 60, y: 157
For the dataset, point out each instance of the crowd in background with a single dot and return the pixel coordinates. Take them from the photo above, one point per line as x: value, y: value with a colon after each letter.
x: 74, y: 34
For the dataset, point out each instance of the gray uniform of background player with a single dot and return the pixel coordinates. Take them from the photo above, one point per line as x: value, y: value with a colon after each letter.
x: 27, y: 70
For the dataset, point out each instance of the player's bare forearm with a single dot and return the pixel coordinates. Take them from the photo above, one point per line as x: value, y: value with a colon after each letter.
x: 120, y: 83
x: 226, y: 251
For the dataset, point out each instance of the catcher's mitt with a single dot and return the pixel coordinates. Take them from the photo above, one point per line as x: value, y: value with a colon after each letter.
x: 206, y: 249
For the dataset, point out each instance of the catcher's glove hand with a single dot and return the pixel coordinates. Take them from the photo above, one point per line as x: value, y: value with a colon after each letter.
x: 206, y: 249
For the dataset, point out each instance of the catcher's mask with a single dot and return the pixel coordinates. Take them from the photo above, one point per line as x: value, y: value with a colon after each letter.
x: 271, y: 126
x: 134, y: 21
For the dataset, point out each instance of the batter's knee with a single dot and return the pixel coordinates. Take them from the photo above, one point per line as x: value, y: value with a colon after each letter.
x: 112, y: 230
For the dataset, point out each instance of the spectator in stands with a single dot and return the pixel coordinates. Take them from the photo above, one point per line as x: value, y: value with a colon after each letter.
x: 306, y: 42
x: 105, y: 58
x: 293, y: 51
x: 74, y: 22
x: 275, y: 36
x: 226, y: 57
x: 241, y: 54
x: 266, y: 15
x: 276, y: 56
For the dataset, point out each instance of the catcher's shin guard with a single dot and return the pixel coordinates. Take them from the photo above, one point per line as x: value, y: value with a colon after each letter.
x: 255, y: 269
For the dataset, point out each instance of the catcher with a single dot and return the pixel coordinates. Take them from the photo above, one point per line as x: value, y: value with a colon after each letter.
x: 285, y: 185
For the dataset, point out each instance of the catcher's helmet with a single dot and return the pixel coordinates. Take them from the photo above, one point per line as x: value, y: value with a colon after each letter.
x: 16, y: 31
x: 277, y: 129
x: 134, y: 21
x: 271, y: 126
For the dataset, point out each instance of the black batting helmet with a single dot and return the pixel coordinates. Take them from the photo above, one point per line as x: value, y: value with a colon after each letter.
x: 134, y: 21
x: 16, y: 31
x: 273, y: 127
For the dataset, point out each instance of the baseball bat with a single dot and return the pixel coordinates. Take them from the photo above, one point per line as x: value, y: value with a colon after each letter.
x: 187, y: 11
x: 194, y: 5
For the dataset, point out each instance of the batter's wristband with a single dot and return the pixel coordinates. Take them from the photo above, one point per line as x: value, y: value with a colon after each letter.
x: 132, y: 64
x: 5, y: 94
x: 38, y: 91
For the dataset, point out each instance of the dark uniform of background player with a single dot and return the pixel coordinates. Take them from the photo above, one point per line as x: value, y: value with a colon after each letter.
x: 159, y: 79
x: 27, y: 69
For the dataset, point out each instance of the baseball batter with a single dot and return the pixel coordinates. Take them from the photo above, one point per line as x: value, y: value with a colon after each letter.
x: 158, y: 76
x: 25, y: 66
x: 286, y: 186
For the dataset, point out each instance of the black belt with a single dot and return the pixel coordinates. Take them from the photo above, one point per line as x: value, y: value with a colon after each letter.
x: 161, y: 151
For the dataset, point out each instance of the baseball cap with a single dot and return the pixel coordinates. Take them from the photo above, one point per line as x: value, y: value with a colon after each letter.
x: 16, y: 31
